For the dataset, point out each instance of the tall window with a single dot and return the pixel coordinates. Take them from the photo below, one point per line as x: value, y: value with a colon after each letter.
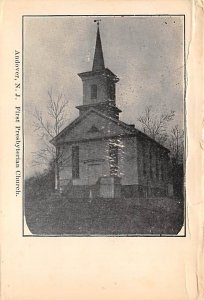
x: 150, y: 162
x: 93, y: 91
x: 111, y: 88
x: 144, y: 167
x: 75, y: 162
x: 162, y: 170
x: 157, y: 164
x: 162, y: 166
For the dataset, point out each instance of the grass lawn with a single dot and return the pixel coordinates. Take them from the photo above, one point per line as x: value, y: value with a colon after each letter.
x: 58, y: 215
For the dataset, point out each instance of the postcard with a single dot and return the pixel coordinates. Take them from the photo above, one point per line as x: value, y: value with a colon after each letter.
x: 101, y: 178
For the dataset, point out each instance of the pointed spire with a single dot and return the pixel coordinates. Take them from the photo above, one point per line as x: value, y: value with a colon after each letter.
x: 98, y: 62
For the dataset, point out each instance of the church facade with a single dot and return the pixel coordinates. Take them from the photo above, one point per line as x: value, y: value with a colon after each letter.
x: 98, y: 151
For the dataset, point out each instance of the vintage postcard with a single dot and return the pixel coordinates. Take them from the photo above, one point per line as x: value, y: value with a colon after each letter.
x: 104, y: 151
x: 102, y: 148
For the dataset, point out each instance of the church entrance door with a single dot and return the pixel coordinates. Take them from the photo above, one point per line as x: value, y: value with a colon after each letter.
x: 94, y: 172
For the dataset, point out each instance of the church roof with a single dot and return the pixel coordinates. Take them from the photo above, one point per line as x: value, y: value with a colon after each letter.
x: 105, y: 72
x: 128, y: 130
x: 98, y: 105
x: 98, y: 62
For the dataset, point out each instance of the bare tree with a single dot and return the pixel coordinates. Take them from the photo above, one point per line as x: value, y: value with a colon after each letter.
x: 176, y: 144
x: 156, y: 125
x: 47, y: 128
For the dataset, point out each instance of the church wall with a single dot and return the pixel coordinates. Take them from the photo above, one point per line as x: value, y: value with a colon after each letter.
x: 153, y: 167
x: 97, y: 152
x: 141, y: 164
x: 90, y: 153
x: 65, y: 165
x: 128, y: 169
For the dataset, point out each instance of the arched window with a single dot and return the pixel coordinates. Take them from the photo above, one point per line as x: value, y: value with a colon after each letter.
x: 93, y: 91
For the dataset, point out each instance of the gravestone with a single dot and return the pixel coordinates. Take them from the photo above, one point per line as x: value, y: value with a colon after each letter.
x: 110, y: 187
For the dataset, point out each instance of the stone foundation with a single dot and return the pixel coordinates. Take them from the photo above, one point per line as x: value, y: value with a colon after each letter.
x: 110, y: 187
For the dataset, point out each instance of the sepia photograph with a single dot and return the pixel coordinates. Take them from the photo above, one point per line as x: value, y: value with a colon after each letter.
x: 104, y: 125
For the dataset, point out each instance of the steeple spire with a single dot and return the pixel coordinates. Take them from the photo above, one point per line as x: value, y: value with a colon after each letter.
x: 99, y: 85
x: 98, y: 62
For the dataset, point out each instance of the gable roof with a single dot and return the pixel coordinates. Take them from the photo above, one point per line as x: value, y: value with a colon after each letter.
x: 129, y: 129
x: 125, y: 126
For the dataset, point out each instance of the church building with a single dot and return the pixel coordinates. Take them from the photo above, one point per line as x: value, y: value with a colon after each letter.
x: 101, y: 155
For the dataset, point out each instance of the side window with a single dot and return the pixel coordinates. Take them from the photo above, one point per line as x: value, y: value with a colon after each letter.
x: 144, y: 167
x: 75, y: 162
x: 151, y: 162
x: 93, y: 91
x: 111, y: 88
x: 162, y: 165
x: 157, y: 164
x: 162, y: 170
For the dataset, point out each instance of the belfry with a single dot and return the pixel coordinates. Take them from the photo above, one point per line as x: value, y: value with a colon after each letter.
x: 99, y: 89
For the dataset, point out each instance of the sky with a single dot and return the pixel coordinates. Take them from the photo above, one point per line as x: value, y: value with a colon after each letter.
x: 146, y: 53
